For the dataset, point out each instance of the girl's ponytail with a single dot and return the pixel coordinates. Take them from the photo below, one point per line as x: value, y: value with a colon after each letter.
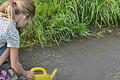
x: 10, y: 10
x: 11, y: 7
x: 7, y: 9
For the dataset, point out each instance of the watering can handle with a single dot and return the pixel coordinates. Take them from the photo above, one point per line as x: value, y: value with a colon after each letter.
x: 39, y: 69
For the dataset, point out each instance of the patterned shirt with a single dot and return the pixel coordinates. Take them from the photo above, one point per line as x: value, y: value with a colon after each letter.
x: 9, y: 35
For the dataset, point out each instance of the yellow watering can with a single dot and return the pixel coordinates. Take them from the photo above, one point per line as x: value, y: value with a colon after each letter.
x: 44, y: 75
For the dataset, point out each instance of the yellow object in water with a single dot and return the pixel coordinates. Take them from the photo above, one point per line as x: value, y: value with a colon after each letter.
x: 45, y: 75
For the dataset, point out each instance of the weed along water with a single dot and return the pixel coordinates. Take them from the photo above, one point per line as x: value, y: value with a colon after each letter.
x: 44, y: 75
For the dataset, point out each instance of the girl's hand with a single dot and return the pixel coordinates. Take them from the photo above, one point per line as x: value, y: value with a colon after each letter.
x: 29, y: 74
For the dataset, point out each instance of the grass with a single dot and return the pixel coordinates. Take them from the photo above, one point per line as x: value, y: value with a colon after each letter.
x: 57, y: 21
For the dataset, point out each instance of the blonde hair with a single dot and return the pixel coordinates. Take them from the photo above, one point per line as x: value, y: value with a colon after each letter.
x: 12, y: 7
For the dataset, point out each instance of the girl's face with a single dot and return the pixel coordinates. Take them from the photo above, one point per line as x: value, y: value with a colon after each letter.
x: 22, y: 20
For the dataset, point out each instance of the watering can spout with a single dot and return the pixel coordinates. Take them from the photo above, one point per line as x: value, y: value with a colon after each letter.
x: 53, y: 73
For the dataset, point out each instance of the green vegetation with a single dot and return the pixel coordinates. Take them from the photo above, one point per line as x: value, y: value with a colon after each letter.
x: 57, y: 21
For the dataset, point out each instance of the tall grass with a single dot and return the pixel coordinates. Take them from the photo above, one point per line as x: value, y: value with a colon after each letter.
x: 57, y: 21
x: 60, y: 20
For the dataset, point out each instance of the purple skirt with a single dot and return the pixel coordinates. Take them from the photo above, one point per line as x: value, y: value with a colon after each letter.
x: 6, y: 72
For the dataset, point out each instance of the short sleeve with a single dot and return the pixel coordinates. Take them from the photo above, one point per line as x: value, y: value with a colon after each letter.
x: 13, y: 39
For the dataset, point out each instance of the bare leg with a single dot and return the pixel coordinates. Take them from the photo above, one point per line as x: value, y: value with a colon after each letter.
x: 4, y: 56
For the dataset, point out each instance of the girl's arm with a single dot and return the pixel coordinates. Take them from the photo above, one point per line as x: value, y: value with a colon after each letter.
x: 14, y: 58
x: 15, y: 64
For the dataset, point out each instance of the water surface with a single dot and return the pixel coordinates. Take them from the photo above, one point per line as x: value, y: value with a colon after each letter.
x: 86, y: 59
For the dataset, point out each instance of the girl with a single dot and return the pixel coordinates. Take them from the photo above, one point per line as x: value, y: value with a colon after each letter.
x: 14, y: 14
